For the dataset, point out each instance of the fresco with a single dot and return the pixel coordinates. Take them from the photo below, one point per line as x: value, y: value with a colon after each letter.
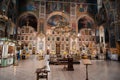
x: 29, y: 5
x: 53, y: 6
x: 54, y: 20
x: 85, y: 22
x: 68, y: 0
x: 82, y: 7
x: 92, y: 7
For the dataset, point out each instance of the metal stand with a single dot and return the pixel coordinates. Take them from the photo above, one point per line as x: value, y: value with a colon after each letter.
x: 86, y: 63
x: 86, y: 72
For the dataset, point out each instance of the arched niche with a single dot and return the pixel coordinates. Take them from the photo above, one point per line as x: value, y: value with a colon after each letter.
x: 85, y: 21
x: 28, y: 17
x: 58, y: 13
x: 55, y: 19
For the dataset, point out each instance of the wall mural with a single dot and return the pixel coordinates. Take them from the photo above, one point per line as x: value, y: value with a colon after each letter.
x: 30, y: 5
x: 92, y: 7
x: 82, y: 7
x: 67, y: 0
x: 53, y: 6
x: 85, y: 22
x: 54, y: 20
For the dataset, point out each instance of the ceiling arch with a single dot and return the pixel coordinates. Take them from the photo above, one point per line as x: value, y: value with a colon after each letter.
x: 58, y: 13
x: 85, y: 21
x: 28, y: 17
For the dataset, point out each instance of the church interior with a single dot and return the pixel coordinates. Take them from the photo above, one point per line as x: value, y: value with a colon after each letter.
x: 59, y: 39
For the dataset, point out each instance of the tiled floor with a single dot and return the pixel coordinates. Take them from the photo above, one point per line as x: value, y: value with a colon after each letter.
x: 99, y: 70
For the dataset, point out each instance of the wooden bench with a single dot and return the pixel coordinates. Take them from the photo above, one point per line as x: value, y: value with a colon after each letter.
x: 42, y: 74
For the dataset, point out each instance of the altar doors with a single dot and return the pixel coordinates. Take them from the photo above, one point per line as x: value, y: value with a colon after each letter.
x: 57, y: 48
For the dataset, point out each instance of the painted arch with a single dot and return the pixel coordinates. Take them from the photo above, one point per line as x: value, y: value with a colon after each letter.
x: 30, y: 17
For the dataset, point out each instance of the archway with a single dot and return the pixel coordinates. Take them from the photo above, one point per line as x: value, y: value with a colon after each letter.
x: 85, y: 21
x: 58, y: 13
x: 86, y: 31
x: 28, y: 17
x: 59, y: 20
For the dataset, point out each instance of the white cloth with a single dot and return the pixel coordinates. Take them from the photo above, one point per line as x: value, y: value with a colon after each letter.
x: 42, y: 64
x: 47, y: 66
x: 47, y: 58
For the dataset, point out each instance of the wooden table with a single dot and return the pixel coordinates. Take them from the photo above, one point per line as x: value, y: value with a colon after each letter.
x: 42, y: 73
x: 87, y: 62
